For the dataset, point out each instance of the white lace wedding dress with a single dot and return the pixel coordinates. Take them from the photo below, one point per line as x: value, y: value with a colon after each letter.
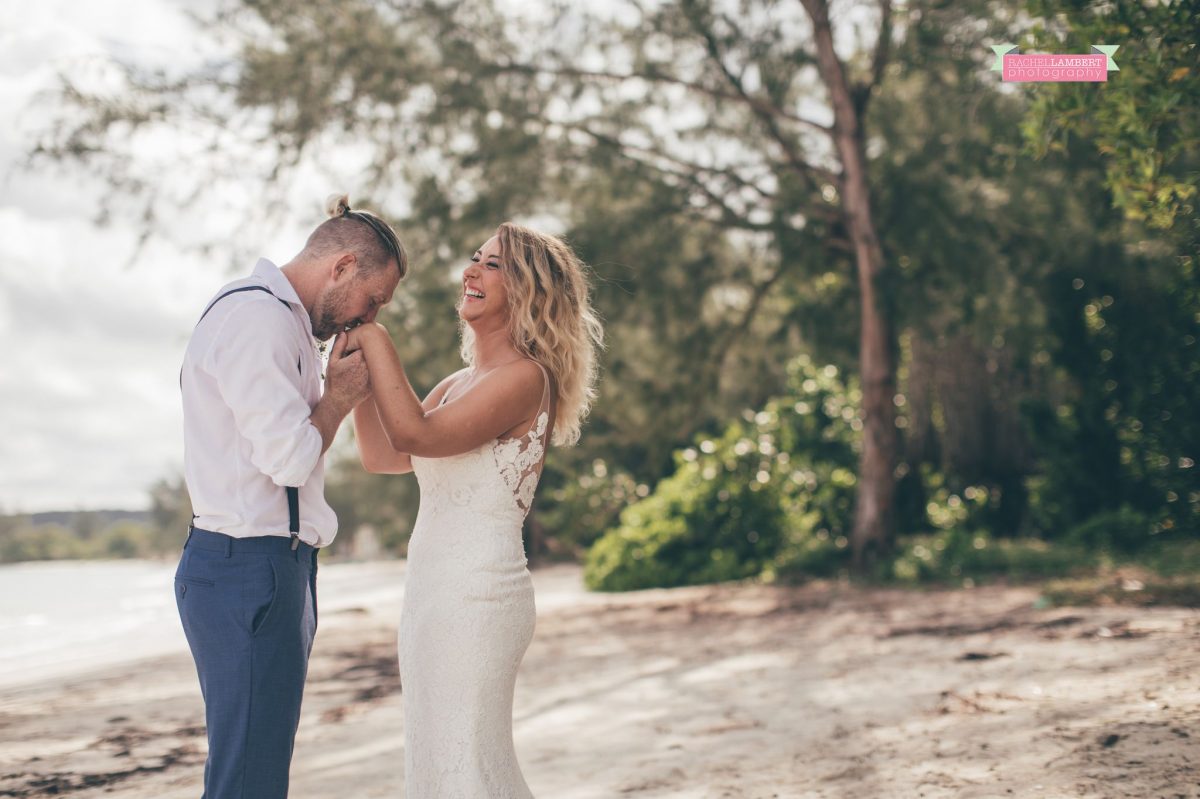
x: 468, y: 618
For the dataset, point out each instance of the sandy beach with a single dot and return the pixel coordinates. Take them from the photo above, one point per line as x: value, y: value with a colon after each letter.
x: 822, y: 690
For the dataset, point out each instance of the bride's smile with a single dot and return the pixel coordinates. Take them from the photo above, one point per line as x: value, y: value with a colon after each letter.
x: 483, y: 290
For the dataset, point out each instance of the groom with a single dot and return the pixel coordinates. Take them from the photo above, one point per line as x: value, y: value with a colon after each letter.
x: 256, y: 427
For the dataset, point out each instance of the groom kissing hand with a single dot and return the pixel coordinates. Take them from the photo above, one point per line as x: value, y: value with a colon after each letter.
x: 256, y: 428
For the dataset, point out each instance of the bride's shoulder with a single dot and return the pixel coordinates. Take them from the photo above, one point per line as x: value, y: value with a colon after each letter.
x: 434, y: 397
x: 526, y: 373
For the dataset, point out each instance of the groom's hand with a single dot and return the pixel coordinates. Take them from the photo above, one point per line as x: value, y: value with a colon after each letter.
x: 346, y: 377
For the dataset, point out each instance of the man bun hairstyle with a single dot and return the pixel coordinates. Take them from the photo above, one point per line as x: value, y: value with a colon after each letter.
x: 363, y: 233
x: 337, y: 205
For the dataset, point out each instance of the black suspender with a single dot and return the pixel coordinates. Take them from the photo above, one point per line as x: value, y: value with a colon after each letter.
x: 235, y: 291
x: 293, y: 492
x: 293, y: 496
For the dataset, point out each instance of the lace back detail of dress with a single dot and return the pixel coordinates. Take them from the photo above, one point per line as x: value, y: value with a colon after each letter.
x: 520, y: 459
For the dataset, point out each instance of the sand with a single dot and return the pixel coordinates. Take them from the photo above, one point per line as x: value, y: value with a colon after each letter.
x: 823, y: 690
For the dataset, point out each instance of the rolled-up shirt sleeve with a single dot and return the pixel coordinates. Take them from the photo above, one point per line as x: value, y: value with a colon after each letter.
x: 255, y: 366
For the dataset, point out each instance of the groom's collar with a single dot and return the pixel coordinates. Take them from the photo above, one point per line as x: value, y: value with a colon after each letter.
x: 277, y: 282
x: 274, y: 279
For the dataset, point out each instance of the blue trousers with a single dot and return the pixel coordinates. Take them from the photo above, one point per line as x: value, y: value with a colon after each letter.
x: 249, y: 611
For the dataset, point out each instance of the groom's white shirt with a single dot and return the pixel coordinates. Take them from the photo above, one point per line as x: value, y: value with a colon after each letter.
x: 250, y: 379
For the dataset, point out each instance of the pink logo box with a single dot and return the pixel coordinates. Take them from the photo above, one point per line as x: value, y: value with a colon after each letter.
x: 1090, y: 68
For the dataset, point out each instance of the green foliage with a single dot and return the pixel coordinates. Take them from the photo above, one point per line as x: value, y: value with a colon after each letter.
x: 386, y: 503
x: 1145, y: 120
x: 170, y: 515
x: 1124, y: 431
x: 773, y: 493
x: 1181, y: 590
x: 964, y: 511
x: 1164, y: 572
x: 21, y: 540
x: 89, y: 534
x: 1170, y: 558
x: 579, y: 503
x: 126, y: 540
x: 47, y: 542
x: 1124, y: 531
x: 958, y: 556
x: 712, y: 520
x: 965, y: 221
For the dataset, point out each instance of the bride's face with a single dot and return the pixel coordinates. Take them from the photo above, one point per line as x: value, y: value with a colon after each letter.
x: 483, y: 285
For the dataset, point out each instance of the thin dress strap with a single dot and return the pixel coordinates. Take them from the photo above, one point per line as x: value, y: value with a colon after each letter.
x: 523, y: 458
x: 544, y: 407
x: 540, y: 427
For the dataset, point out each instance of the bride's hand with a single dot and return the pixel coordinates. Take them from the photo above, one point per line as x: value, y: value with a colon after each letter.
x: 358, y: 337
x: 353, y: 340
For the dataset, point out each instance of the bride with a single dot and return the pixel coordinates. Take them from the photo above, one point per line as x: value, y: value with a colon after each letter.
x: 476, y: 444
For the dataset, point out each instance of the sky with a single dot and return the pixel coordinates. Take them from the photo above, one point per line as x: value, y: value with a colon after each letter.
x: 89, y: 403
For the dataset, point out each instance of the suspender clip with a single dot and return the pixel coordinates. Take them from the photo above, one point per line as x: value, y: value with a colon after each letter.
x: 295, y: 542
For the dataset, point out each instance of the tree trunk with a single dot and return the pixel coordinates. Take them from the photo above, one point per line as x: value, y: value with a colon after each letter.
x: 874, y: 514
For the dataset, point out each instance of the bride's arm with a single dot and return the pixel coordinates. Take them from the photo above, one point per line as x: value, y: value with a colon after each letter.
x: 374, y: 448
x: 500, y: 401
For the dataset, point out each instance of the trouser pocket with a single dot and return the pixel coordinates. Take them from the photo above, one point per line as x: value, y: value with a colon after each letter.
x: 260, y: 594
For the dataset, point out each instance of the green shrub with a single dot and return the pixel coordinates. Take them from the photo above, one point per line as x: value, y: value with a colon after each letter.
x: 966, y: 510
x: 582, y: 500
x: 45, y: 542
x: 956, y: 555
x: 712, y: 520
x: 124, y: 540
x: 774, y: 493
x: 1170, y: 558
x: 1124, y: 531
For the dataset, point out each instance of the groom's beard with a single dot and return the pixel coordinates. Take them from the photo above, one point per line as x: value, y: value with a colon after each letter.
x: 327, y: 316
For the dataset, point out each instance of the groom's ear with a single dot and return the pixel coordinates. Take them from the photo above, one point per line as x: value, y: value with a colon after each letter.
x: 344, y: 265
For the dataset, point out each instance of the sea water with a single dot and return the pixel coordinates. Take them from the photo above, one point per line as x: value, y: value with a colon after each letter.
x: 66, y: 618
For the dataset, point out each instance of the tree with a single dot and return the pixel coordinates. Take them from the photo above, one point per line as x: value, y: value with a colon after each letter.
x: 874, y: 519
x: 170, y: 514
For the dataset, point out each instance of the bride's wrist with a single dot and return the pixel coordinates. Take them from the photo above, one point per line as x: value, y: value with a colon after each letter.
x: 372, y: 335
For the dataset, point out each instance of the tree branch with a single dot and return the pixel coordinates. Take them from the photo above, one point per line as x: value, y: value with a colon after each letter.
x: 883, y: 47
x: 758, y: 104
x: 687, y: 174
x: 734, y: 332
x: 763, y: 112
x: 862, y: 92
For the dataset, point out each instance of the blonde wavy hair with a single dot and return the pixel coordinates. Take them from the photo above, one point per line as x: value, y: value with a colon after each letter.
x: 550, y: 320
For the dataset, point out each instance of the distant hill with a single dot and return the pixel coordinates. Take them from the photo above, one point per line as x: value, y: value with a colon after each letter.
x: 82, y: 534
